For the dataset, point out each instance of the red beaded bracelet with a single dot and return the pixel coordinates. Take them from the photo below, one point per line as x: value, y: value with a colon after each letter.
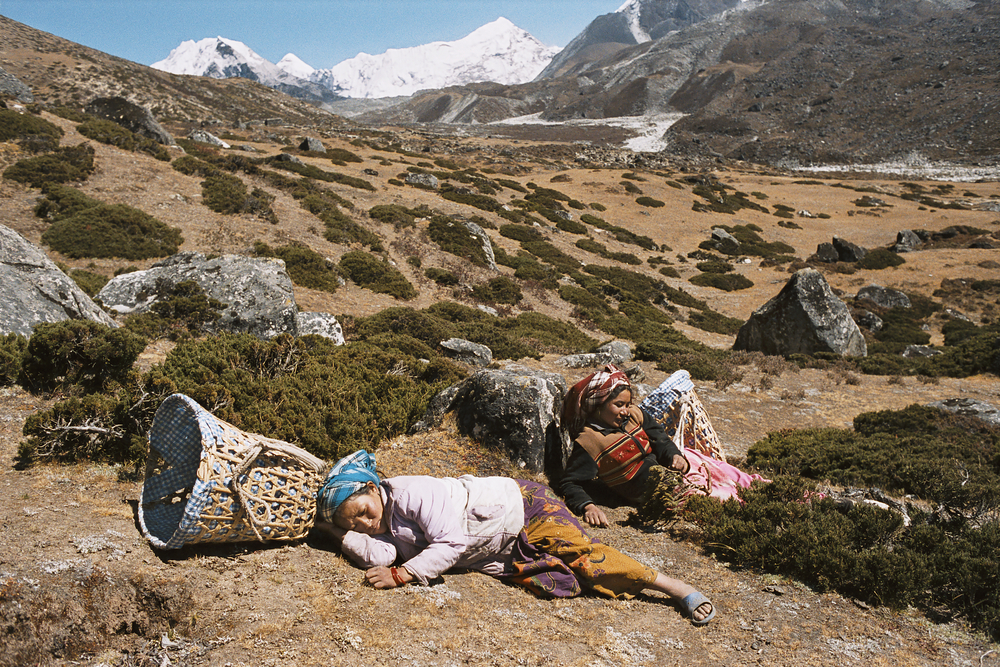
x: 395, y: 576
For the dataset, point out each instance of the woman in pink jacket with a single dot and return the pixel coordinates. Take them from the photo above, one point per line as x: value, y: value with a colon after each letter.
x: 414, y: 528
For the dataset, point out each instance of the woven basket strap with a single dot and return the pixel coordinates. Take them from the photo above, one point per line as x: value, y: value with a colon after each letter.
x: 682, y: 417
x: 237, y: 490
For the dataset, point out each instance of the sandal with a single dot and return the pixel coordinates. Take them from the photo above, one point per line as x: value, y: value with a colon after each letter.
x: 692, y: 602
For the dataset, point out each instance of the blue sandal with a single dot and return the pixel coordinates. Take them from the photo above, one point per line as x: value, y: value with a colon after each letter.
x: 692, y: 602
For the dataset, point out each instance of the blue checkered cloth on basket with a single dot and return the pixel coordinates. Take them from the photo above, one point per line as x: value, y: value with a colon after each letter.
x: 177, y: 432
x: 658, y: 402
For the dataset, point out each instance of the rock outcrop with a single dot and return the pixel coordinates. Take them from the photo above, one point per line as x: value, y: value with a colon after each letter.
x: 257, y: 292
x: 36, y: 291
x: 130, y: 116
x: 805, y: 317
x: 514, y: 410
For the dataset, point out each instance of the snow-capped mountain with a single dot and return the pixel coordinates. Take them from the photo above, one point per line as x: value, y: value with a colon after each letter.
x: 499, y: 52
x: 222, y: 58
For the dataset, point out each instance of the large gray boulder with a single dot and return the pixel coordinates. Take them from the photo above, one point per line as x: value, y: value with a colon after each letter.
x: 257, y: 291
x: 970, y: 407
x: 514, y: 410
x: 320, y: 324
x: 467, y: 352
x: 886, y: 297
x: 131, y: 116
x: 36, y: 291
x: 906, y: 241
x: 805, y: 317
x: 847, y: 251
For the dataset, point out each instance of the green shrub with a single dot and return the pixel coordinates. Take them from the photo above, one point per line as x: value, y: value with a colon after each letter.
x: 520, y: 233
x: 512, y: 185
x: 571, y: 226
x: 310, y: 171
x: 552, y: 255
x: 621, y: 234
x: 180, y: 311
x: 339, y: 227
x: 12, y: 347
x: 375, y: 274
x: 589, y: 306
x: 78, y: 353
x: 192, y: 166
x: 103, y: 230
x: 499, y: 290
x: 329, y: 399
x: 341, y: 156
x: 395, y: 215
x: 728, y: 282
x: 649, y: 202
x: 91, y: 283
x: 15, y: 125
x: 715, y: 266
x: 64, y: 165
x: 709, y: 320
x: 113, y: 134
x: 751, y: 243
x: 880, y: 258
x: 306, y: 267
x: 227, y: 194
x: 454, y: 237
x: 441, y: 277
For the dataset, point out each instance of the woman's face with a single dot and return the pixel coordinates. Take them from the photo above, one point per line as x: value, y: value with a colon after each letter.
x: 363, y: 513
x: 614, y: 412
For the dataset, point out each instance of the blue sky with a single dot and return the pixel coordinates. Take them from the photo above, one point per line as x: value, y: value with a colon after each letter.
x: 321, y: 32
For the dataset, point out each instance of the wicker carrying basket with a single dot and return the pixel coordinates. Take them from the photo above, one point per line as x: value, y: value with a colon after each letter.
x: 208, y: 481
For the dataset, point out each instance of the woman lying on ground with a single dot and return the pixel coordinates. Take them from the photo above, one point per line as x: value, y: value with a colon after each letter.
x: 413, y: 529
x: 626, y: 449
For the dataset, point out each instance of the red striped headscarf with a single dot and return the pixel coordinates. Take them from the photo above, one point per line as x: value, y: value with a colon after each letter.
x: 588, y: 394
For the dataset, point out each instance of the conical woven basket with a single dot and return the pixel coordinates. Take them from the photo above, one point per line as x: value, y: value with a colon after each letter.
x: 208, y: 481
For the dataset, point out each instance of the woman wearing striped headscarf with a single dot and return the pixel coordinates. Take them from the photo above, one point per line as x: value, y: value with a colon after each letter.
x: 415, y: 528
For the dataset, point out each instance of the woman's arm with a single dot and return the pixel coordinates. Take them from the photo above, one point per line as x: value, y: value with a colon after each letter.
x: 581, y: 468
x: 425, y: 505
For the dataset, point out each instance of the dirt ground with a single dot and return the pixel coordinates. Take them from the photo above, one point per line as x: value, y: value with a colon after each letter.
x: 80, y: 585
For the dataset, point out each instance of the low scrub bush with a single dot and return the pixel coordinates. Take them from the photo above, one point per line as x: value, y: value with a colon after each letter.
x: 751, y: 243
x: 64, y: 165
x: 709, y: 320
x: 499, y: 290
x: 441, y: 276
x: 113, y: 134
x: 880, y: 258
x: 15, y: 125
x: 315, y: 173
x: 339, y: 227
x: 649, y: 202
x: 78, y: 355
x: 329, y: 399
x: 84, y: 227
x: 454, y: 237
x: 305, y: 266
x: 12, y: 347
x: 571, y: 226
x: 396, y: 215
x: 91, y: 283
x: 728, y: 282
x: 940, y: 563
x: 341, y: 156
x: 227, y: 194
x: 180, y: 311
x: 376, y: 274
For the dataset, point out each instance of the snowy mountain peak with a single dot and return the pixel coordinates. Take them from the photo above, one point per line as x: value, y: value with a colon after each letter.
x: 498, y: 51
x: 631, y: 11
x: 220, y: 58
x: 294, y: 65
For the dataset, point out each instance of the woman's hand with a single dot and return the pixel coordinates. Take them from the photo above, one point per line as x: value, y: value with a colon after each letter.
x: 381, y: 577
x: 595, y: 516
x: 680, y: 463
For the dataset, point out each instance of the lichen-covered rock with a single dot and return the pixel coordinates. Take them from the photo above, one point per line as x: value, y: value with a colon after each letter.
x: 36, y: 291
x: 805, y: 317
x: 906, y: 241
x: 886, y: 297
x: 514, y: 410
x: 257, y: 291
x: 467, y: 352
x: 970, y: 408
x: 203, y: 137
x: 321, y: 324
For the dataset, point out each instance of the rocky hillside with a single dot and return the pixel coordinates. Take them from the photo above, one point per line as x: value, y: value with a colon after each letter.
x: 79, y: 585
x: 805, y: 80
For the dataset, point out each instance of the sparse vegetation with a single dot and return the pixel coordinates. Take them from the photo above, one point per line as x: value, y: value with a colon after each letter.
x: 305, y: 266
x: 65, y: 164
x: 113, y: 134
x: 376, y: 274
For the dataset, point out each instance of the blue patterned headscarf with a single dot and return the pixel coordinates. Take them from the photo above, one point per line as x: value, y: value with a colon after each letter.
x: 349, y: 475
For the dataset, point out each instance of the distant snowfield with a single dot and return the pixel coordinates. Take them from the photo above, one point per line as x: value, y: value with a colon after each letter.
x: 650, y: 129
x: 912, y: 166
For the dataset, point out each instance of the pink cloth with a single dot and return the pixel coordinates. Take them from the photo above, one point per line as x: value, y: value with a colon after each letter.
x: 715, y: 478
